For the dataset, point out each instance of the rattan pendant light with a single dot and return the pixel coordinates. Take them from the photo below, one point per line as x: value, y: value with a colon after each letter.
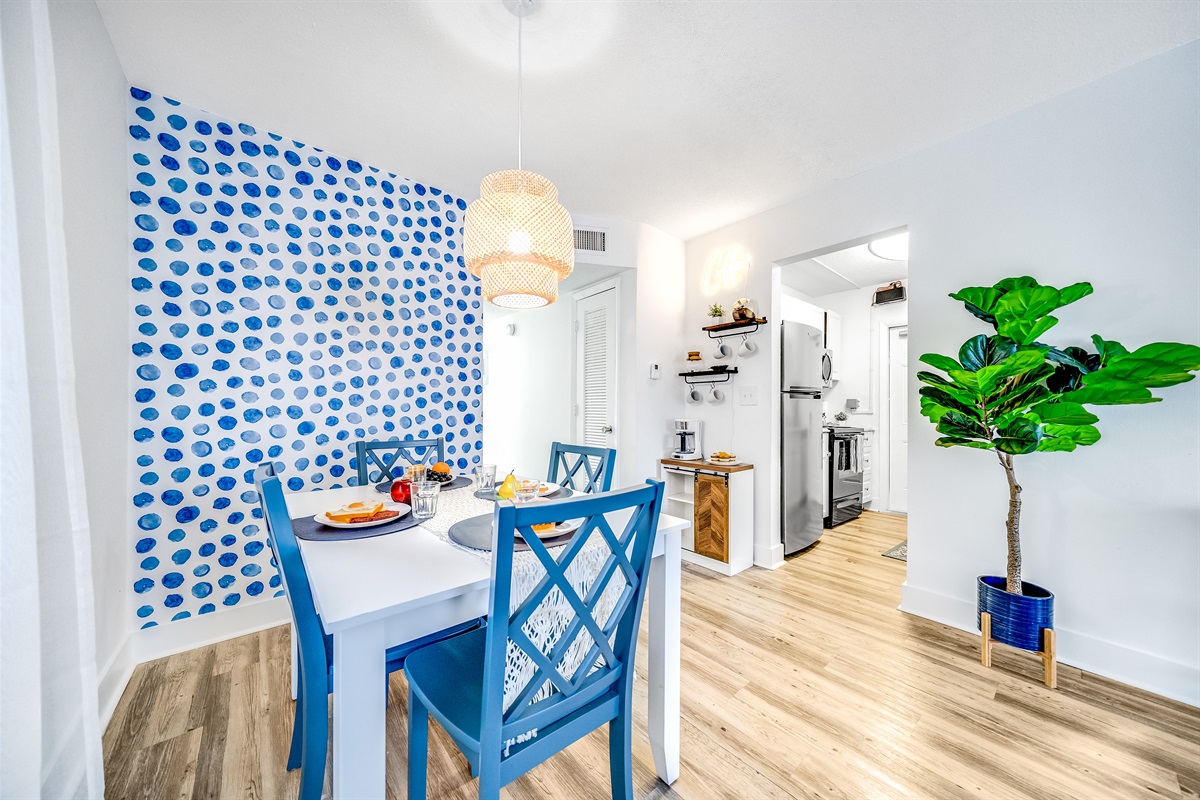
x: 517, y: 239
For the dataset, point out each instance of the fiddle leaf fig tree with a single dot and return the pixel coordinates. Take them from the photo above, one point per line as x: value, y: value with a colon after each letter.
x: 1014, y: 395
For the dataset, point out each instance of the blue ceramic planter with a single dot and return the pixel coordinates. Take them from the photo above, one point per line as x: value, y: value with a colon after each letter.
x: 1017, y: 619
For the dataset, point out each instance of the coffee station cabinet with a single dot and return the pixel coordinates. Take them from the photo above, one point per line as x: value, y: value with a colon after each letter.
x: 719, y: 499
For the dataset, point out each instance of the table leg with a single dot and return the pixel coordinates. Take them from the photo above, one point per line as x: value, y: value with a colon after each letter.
x: 295, y: 661
x: 663, y: 686
x: 359, y: 713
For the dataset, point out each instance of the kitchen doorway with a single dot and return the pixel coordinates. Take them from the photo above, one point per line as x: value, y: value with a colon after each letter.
x: 897, y: 466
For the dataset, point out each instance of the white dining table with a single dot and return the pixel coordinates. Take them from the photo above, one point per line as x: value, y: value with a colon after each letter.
x: 379, y: 592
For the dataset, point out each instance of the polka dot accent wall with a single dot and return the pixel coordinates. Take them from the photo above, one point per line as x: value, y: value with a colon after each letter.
x: 287, y: 303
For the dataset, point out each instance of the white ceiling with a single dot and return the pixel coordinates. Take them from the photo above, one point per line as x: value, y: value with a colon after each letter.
x: 841, y: 271
x: 685, y: 115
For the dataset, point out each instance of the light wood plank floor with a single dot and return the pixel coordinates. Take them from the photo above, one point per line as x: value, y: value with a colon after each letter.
x: 801, y: 682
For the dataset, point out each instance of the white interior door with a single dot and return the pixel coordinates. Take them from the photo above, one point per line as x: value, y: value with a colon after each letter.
x: 595, y: 368
x: 898, y: 419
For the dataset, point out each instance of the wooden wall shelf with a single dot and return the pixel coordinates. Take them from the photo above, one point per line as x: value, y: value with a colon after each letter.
x: 739, y: 328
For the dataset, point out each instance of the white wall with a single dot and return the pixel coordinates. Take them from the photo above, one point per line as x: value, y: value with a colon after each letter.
x: 92, y: 127
x: 529, y: 397
x: 1103, y: 184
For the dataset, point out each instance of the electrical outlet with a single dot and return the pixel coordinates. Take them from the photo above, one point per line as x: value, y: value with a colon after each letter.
x: 747, y: 395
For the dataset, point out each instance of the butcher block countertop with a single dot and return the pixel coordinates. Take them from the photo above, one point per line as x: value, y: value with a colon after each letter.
x: 703, y: 464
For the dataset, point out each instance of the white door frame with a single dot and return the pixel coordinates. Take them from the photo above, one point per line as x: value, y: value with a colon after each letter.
x: 883, y: 484
x: 614, y: 284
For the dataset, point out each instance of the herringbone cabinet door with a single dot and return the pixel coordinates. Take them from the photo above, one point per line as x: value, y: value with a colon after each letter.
x: 712, y: 517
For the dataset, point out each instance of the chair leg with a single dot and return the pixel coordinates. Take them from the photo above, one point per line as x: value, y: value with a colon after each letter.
x: 418, y: 746
x: 294, y: 754
x: 620, y: 752
x: 316, y: 739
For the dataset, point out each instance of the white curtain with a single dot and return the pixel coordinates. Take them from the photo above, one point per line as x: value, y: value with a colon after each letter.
x: 49, y: 723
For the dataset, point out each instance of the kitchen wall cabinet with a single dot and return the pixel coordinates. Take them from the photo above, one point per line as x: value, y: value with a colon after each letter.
x: 719, y: 499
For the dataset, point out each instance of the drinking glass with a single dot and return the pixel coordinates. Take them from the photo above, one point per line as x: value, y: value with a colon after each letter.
x: 485, y: 477
x: 526, y: 491
x: 415, y: 473
x: 425, y: 499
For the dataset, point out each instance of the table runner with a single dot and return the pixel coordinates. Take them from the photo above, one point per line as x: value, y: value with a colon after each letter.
x: 547, y: 624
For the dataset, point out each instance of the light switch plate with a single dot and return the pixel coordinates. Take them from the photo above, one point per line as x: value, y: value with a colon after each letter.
x: 654, y: 372
x: 747, y: 395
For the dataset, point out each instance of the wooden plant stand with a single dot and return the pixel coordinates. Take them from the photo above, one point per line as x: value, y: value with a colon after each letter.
x: 1048, y: 652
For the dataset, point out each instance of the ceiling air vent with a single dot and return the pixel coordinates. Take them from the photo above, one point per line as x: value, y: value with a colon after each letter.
x: 591, y: 241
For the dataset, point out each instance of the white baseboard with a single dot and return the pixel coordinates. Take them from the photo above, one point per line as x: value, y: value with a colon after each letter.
x: 188, y: 634
x: 768, y: 557
x: 113, y: 678
x: 1144, y: 670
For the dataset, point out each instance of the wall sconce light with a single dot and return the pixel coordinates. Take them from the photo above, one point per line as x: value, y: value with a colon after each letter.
x: 726, y: 269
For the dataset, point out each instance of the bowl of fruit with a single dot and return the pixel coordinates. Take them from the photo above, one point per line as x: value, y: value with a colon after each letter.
x: 439, y: 473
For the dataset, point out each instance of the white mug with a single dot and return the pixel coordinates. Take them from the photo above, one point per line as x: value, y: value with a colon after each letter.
x: 694, y: 395
x: 747, y: 348
x: 716, y: 396
x: 723, y: 351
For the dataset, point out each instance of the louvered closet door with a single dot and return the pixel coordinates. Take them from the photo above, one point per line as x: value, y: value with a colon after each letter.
x: 595, y: 364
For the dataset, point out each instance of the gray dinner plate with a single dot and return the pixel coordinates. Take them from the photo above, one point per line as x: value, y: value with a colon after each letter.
x: 459, y: 482
x: 561, y: 493
x: 476, y: 533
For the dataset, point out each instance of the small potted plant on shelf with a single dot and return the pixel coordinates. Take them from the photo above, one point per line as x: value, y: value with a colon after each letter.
x: 717, y: 313
x: 1014, y: 395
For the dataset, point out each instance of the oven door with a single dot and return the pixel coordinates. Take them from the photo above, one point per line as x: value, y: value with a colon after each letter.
x: 846, y: 469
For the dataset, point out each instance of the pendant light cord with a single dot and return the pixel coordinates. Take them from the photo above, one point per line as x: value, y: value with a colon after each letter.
x: 520, y: 22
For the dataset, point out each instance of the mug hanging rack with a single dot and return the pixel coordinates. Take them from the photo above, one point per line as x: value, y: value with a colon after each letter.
x: 708, y: 376
x: 739, y: 328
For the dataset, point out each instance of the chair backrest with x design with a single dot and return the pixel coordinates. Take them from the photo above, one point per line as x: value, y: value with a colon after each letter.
x: 592, y: 466
x: 392, y: 456
x: 591, y: 594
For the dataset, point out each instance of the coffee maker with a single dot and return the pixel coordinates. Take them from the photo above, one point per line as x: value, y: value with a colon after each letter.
x: 687, y: 440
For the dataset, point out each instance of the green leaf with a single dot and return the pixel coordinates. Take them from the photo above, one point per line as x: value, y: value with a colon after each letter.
x: 943, y: 397
x: 1020, y: 313
x: 1010, y: 284
x: 1152, y: 373
x: 1108, y: 351
x: 1019, y: 436
x: 1076, y: 291
x: 1063, y: 414
x: 944, y: 363
x: 961, y: 425
x: 982, y: 297
x: 965, y: 378
x: 1025, y: 331
x: 956, y: 441
x: 1016, y: 364
x: 1184, y: 356
x: 983, y: 315
x: 933, y: 411
x: 1111, y: 393
x: 932, y: 378
x: 1016, y: 401
x: 1065, y: 438
x: 1073, y: 357
x: 981, y: 351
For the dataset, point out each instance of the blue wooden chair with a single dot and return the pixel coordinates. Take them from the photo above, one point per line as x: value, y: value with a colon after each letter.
x: 596, y: 464
x: 460, y: 681
x: 310, y: 728
x: 387, y: 456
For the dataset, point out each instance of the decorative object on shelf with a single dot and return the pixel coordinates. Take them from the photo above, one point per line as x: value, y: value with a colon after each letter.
x: 717, y: 312
x: 892, y: 293
x: 722, y: 457
x: 517, y: 239
x: 720, y: 374
x: 744, y: 310
x: 1014, y: 395
x: 841, y: 416
x: 693, y: 355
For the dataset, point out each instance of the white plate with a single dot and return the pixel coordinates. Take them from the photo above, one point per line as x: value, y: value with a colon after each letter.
x: 725, y: 463
x: 403, y: 508
x: 561, y: 529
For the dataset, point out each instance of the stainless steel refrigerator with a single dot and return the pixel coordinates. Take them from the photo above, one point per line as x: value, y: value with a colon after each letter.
x: 801, y: 492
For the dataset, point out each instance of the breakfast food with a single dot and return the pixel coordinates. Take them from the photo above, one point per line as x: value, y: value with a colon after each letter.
x: 722, y: 457
x: 351, y: 511
x: 543, y: 527
x: 378, y: 516
x: 438, y: 476
x: 442, y: 467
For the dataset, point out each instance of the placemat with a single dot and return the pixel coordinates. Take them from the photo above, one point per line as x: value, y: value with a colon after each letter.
x: 308, y: 528
x: 459, y: 482
x: 476, y: 533
x: 562, y: 493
